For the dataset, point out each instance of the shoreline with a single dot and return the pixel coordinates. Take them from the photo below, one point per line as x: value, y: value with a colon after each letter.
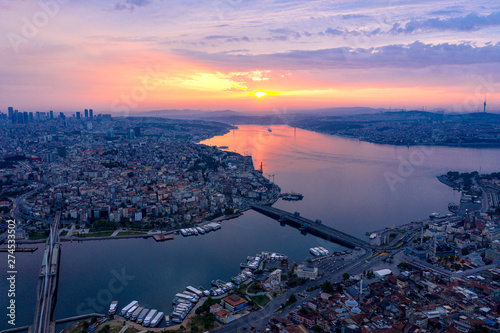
x: 146, y: 235
x: 477, y: 145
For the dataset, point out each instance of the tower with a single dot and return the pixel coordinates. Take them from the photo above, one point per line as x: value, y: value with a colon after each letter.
x: 484, y: 108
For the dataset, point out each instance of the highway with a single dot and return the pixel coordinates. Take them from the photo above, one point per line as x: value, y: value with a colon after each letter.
x: 47, y: 283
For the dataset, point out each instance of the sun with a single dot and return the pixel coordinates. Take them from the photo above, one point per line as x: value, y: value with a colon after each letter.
x: 260, y: 94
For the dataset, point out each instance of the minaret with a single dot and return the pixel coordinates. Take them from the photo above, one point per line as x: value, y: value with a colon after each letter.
x: 484, y: 109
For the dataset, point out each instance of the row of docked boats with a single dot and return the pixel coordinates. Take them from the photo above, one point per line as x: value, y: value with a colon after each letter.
x: 319, y: 251
x: 242, y: 277
x: 201, y: 230
x: 184, y: 302
x: 139, y: 314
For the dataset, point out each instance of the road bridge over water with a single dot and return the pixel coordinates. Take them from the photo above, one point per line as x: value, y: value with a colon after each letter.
x: 316, y: 227
x: 47, y: 283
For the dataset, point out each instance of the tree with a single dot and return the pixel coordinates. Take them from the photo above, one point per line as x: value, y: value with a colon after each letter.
x: 345, y: 276
x: 465, y: 251
x: 327, y: 287
x: 292, y: 298
x: 340, y: 289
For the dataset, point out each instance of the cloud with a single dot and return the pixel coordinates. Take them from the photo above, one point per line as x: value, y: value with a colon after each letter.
x: 334, y: 32
x: 285, y: 32
x: 132, y: 4
x: 414, y: 55
x: 469, y: 22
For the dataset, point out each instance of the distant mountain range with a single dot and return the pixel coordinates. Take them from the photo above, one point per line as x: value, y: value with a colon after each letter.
x: 286, y: 117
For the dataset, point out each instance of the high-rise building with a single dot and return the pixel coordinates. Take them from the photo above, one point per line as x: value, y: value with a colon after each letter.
x: 137, y: 131
x: 86, y: 113
x: 11, y: 113
x: 62, y: 115
x: 78, y: 115
x: 31, y: 118
x: 91, y: 113
x: 51, y: 114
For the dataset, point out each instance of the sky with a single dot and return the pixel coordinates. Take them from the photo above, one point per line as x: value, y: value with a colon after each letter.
x: 126, y: 56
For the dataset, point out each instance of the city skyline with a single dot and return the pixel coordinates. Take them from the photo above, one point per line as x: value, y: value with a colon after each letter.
x: 139, y: 55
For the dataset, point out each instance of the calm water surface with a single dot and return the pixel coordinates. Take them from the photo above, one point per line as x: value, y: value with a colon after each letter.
x: 343, y: 182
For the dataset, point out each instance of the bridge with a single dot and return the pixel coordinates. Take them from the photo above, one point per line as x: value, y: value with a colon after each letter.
x: 47, y: 283
x: 315, y: 227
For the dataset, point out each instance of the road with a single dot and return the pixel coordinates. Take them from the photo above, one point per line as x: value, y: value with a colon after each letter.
x: 259, y: 319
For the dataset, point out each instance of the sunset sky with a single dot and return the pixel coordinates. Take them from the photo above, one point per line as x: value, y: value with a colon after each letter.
x: 126, y: 56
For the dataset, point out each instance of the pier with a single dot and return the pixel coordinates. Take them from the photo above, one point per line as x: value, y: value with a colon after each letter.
x: 315, y: 227
x: 47, y: 283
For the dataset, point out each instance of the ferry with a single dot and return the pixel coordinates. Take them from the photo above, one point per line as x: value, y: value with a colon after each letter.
x: 157, y: 319
x: 142, y: 315
x: 113, y: 307
x: 149, y: 317
x: 198, y: 292
x: 292, y: 196
x: 130, y: 311
x: 200, y: 230
x: 314, y: 251
x: 136, y: 313
x: 126, y: 308
x: 184, y: 232
x: 434, y: 215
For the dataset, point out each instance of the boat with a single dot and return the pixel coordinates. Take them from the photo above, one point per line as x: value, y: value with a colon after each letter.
x: 149, y: 317
x: 323, y: 251
x: 127, y: 307
x: 223, y: 147
x: 157, y: 319
x: 136, y: 313
x: 167, y: 320
x: 130, y: 311
x: 200, y: 230
x: 373, y: 236
x: 269, y: 130
x: 142, y: 315
x: 113, y: 307
x: 314, y: 251
x: 434, y: 215
x: 184, y: 232
x: 198, y: 292
x: 292, y: 196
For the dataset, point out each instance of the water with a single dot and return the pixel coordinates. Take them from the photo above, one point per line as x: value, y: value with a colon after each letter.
x: 343, y: 183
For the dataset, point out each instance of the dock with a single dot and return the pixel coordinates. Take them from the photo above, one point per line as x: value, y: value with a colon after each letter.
x: 162, y: 237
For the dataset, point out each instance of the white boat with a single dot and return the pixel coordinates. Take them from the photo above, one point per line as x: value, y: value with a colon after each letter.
x: 157, y: 319
x: 200, y: 230
x: 113, y: 307
x: 314, y: 251
x: 127, y: 307
x: 198, y: 292
x: 149, y: 317
x: 184, y: 232
x: 130, y: 311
